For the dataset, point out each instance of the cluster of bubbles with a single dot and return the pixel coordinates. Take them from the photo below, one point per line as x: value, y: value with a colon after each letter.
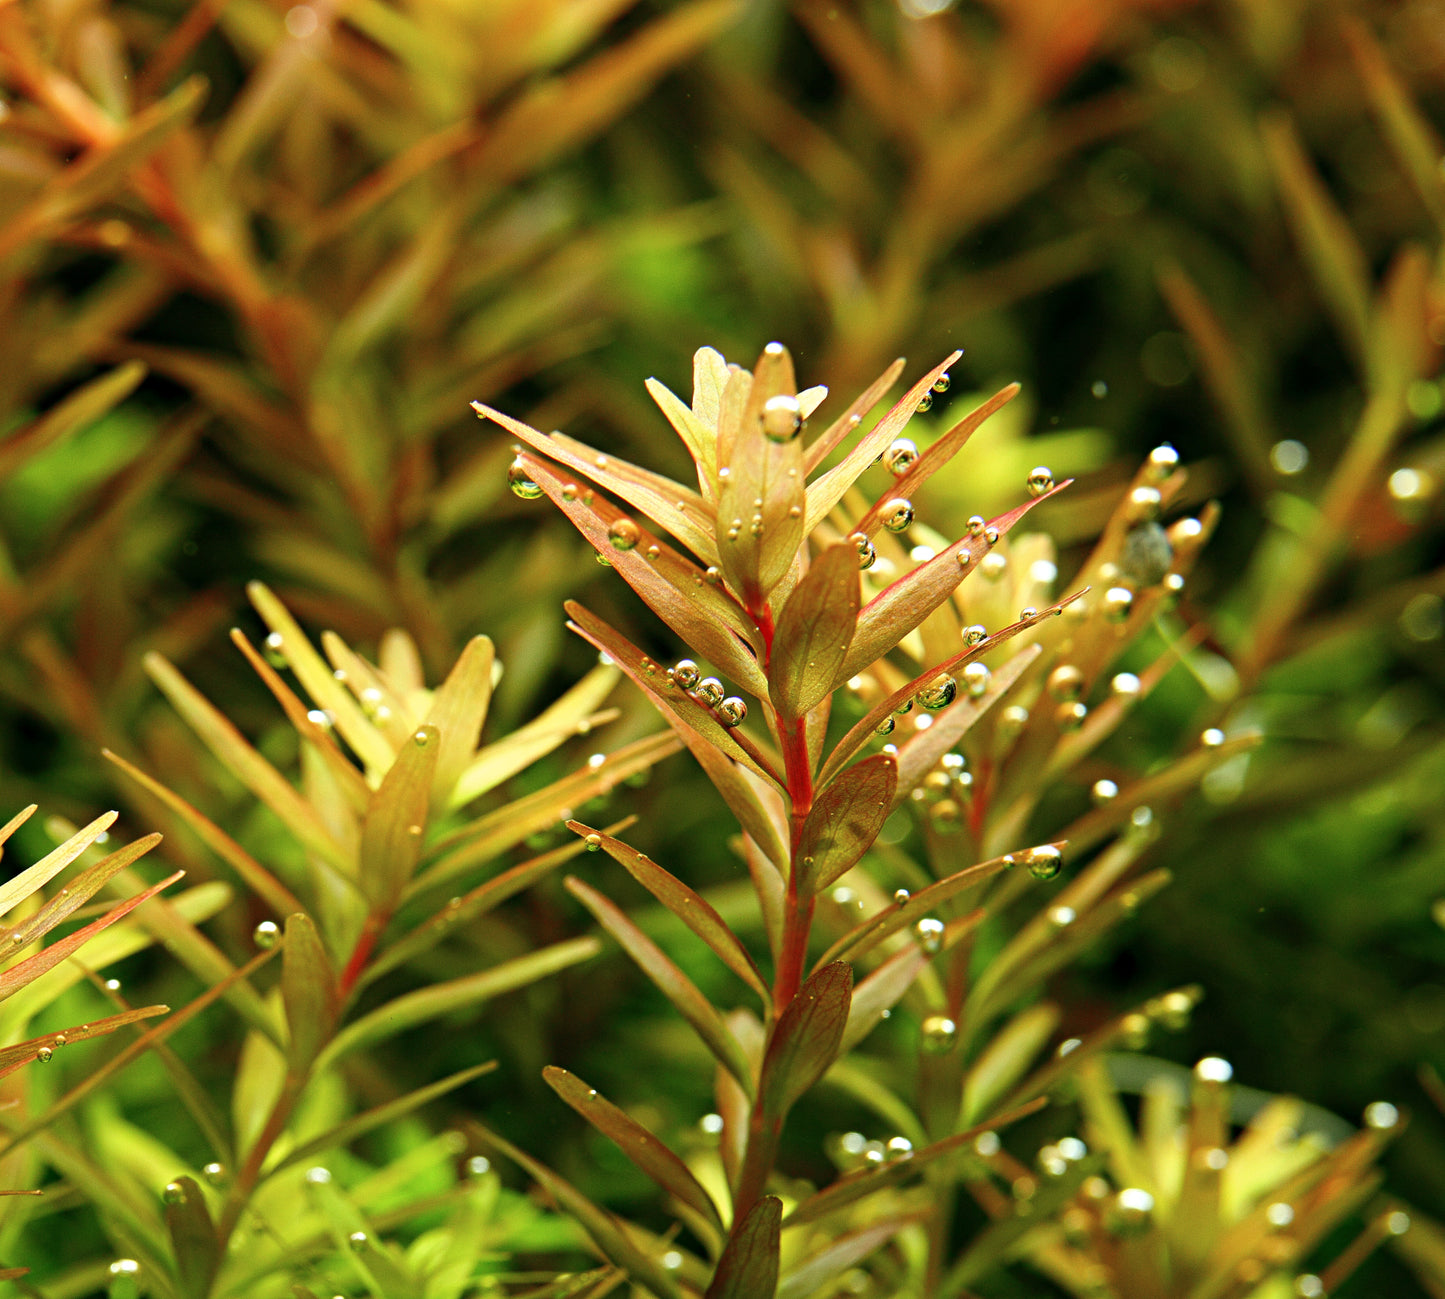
x: 730, y: 710
x: 850, y: 1150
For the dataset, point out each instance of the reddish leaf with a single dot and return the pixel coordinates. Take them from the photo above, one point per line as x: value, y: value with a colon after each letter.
x: 845, y: 820
x: 851, y: 418
x: 748, y: 1268
x: 193, y: 1238
x: 806, y: 1038
x: 814, y: 631
x: 22, y: 1053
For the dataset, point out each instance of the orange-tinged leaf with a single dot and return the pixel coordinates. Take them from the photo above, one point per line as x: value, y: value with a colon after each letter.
x: 649, y: 1154
x: 685, y: 903
x: 851, y: 418
x: 21, y: 1053
x: 395, y: 823
x: 308, y: 991
x: 748, y: 1268
x: 458, y: 709
x: 706, y: 1022
x: 845, y: 820
x: 193, y: 1236
x: 901, y: 607
x: 761, y: 492
x: 16, y: 890
x: 806, y: 1039
x: 814, y: 632
x: 79, y: 891
x: 697, y: 437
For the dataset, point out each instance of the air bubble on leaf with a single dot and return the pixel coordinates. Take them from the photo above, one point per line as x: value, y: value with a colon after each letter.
x: 593, y: 842
x: 899, y: 1148
x: 214, y: 1173
x: 478, y: 1165
x: 1040, y: 480
x: 712, y: 575
x: 1213, y: 1069
x: 44, y: 1054
x: 266, y: 935
x: 941, y: 383
x: 1072, y: 1149
x: 1212, y: 738
x: 987, y: 1144
x: 685, y: 672
x: 900, y: 896
x: 939, y: 1034
x: 1279, y: 1214
x: 867, y: 555
x: 624, y: 534
x: 991, y: 535
x: 1397, y: 1223
x: 1131, y: 1212
x: 953, y: 763
x: 569, y: 492
x: 318, y: 1176
x: 1308, y: 1286
x: 975, y: 635
x: 520, y: 483
x: 712, y: 1124
x: 925, y: 403
x: 1162, y: 462
x: 939, y: 693
x: 1044, y: 862
x: 1070, y: 716
x: 174, y: 1193
x: 976, y: 677
x: 922, y: 554
x: 1062, y: 917
x: 421, y: 739
x: 1043, y: 571
x: 1126, y: 685
x: 1144, y: 504
x: 900, y: 457
x: 843, y: 896
x: 1051, y: 1163
x: 945, y: 816
x: 320, y: 717
x: 1173, y: 1010
x: 963, y: 557
x: 922, y: 722
x: 358, y: 1240
x: 273, y: 648
x: 897, y: 514
x: 993, y: 567
x: 124, y: 1267
x: 1027, y: 612
x: 1381, y: 1115
x: 709, y: 691
x: 885, y: 727
x: 976, y: 525
x: 1134, y: 1031
x: 732, y: 711
x: 782, y: 418
x: 929, y: 933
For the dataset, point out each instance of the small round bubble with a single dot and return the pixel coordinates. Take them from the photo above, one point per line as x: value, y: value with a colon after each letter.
x: 1044, y: 862
x: 900, y: 457
x: 976, y: 678
x: 939, y: 1034
x: 593, y: 842
x: 174, y: 1193
x: 1213, y: 1069
x: 732, y: 711
x: 939, y: 693
x: 897, y: 514
x: 266, y: 935
x: 685, y: 672
x: 521, y: 483
x: 710, y: 691
x: 623, y: 534
x: 1040, y: 480
x: 1381, y: 1116
x: 782, y: 418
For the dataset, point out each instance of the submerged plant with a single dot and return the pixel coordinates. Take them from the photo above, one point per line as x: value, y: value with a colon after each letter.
x: 801, y: 594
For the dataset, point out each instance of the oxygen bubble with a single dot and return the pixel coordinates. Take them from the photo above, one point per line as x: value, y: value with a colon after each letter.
x: 976, y: 677
x: 174, y: 1193
x: 976, y: 525
x: 993, y: 567
x: 318, y: 1176
x: 1051, y: 1162
x: 732, y: 711
x: 1308, y: 1286
x: 1104, y: 791
x: 273, y: 649
x: 623, y: 534
x: 939, y: 693
x: 1027, y: 612
x: 1062, y: 917
x: 1212, y: 738
x: 1072, y: 1149
x: 593, y: 842
x: 1013, y: 719
x: 654, y: 552
x: 1144, y: 504
x: 266, y: 935
x: 1040, y: 480
x: 897, y: 514
x: 929, y: 933
x: 885, y: 727
x: 1126, y: 685
x: 845, y: 897
x: 124, y: 1267
x: 685, y: 672
x: 900, y: 457
x: 945, y: 815
x: 320, y: 717
x: 987, y: 1144
x: 900, y: 896
x: 1397, y: 1223
x: 925, y: 403
x: 975, y: 635
x: 1279, y: 1214
x: 672, y: 1260
x: 1118, y: 600
x: 1070, y: 716
x: 899, y: 1148
x: 1162, y: 462
x: 921, y: 554
x: 1214, y: 1160
x: 44, y: 1054
x: 991, y: 535
x: 112, y: 985
x: 1173, y: 1010
x: 963, y: 557
x: 953, y: 762
x: 939, y: 1034
x: 358, y: 1240
x: 478, y: 1165
x: 712, y: 575
x: 1141, y: 817
x: 1134, y: 1031
x: 1131, y: 1212
x: 1044, y: 862
x: 1381, y: 1115
x: 520, y: 483
x: 569, y: 492
x: 782, y: 418
x: 1212, y: 1069
x: 867, y: 553
x: 1066, y: 682
x: 421, y: 739
x: 712, y: 1124
x: 709, y: 691
x: 214, y: 1173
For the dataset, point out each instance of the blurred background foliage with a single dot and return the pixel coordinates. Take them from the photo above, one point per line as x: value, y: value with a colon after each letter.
x: 256, y: 258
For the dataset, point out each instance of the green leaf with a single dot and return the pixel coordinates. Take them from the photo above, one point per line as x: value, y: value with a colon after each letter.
x: 440, y: 999
x: 395, y: 824
x: 881, y: 991
x: 748, y: 1268
x: 1007, y: 1058
x: 845, y: 820
x: 806, y: 1038
x: 898, y: 609
x: 609, y: 1234
x: 22, y: 1053
x: 835, y: 1258
x: 76, y: 411
x: 686, y: 904
x: 695, y: 433
x: 308, y: 991
x: 814, y: 631
x: 648, y: 1153
x: 670, y: 981
x: 193, y: 1237
x: 458, y: 710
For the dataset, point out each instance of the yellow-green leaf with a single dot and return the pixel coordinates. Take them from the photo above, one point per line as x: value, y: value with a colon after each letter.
x: 308, y: 991
x: 395, y: 824
x: 458, y: 710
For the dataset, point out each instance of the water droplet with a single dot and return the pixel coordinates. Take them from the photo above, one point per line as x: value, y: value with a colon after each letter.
x: 1040, y: 480
x: 1099, y: 389
x: 1212, y: 738
x: 993, y: 567
x: 1044, y: 862
x: 1397, y: 1223
x: 124, y: 1267
x: 1162, y: 462
x: 1381, y: 1115
x: 925, y: 403
x: 1104, y: 791
x: 273, y: 649
x: 867, y: 553
x: 732, y: 711
x: 266, y: 935
x: 478, y: 1165
x: 1279, y: 1214
x: 685, y: 672
x: 712, y: 1124
x: 991, y: 535
x: 1213, y: 1069
x: 672, y: 1260
x: 421, y: 739
x: 112, y: 985
x: 1051, y: 1163
x: 900, y: 896
x: 1144, y: 504
x: 58, y: 1040
x: 593, y: 842
x: 623, y: 534
x: 939, y: 1034
x: 976, y: 677
x: 1027, y: 612
x: 782, y: 418
x: 975, y: 635
x: 320, y: 717
x: 1134, y: 1031
x: 1131, y: 1212
x: 963, y: 557
x: 885, y: 727
x: 1126, y: 685
x: 1062, y: 917
x: 318, y: 1176
x: 899, y: 1148
x: 945, y: 815
x: 214, y: 1173
x: 897, y: 514
x: 976, y: 525
x: 569, y: 492
x: 940, y: 692
x: 358, y: 1240
x: 710, y: 691
x: 520, y: 483
x: 712, y: 575
x: 1308, y: 1286
x: 1118, y: 600
x: 929, y: 933
x: 602, y: 559
x: 44, y: 1054
x: 1070, y: 716
x: 174, y: 1193
x: 654, y: 552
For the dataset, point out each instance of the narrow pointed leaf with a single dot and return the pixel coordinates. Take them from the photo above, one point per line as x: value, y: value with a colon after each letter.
x: 686, y: 904
x: 644, y: 1149
x: 807, y: 1038
x: 76, y: 411
x: 695, y: 435
x: 1007, y: 1058
x: 9, y: 828
x: 835, y: 1258
x: 458, y: 710
x: 749, y: 1265
x: 56, y: 860
x: 881, y: 991
x: 706, y: 1022
x: 395, y: 824
x: 308, y: 991
x: 852, y: 418
x: 193, y: 1238
x: 901, y: 607
x: 343, y: 1134
x: 439, y: 999
x: 21, y: 1053
x: 79, y: 891
x: 814, y: 632
x: 607, y: 1232
x: 845, y: 820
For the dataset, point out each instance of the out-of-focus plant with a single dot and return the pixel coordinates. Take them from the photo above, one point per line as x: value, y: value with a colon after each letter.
x: 376, y: 867
x: 771, y: 597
